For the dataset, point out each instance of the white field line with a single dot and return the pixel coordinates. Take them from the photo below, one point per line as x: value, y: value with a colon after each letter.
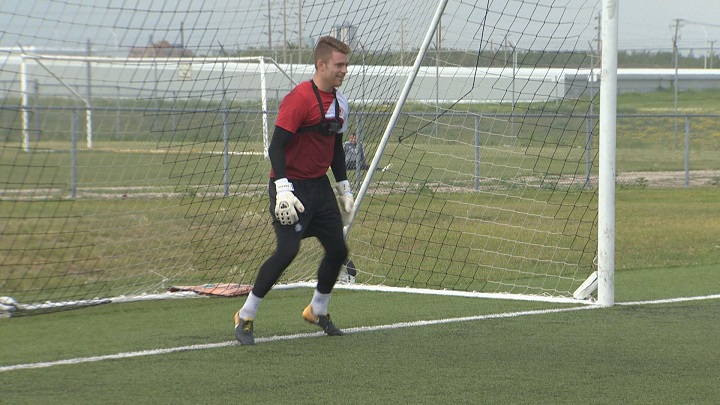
x: 671, y: 300
x: 142, y: 353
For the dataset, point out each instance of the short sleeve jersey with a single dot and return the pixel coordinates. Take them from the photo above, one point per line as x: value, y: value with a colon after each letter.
x: 308, y: 155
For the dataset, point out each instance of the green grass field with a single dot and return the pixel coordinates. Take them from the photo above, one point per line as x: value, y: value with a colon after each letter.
x: 407, y: 348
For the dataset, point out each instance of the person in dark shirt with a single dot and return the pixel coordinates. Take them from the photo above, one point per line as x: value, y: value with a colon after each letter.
x: 354, y: 154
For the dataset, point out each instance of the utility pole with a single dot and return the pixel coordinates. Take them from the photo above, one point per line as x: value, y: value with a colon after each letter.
x: 438, y: 38
x: 678, y: 21
x: 712, y: 55
x: 269, y: 26
x: 599, y: 40
x: 505, y: 47
x: 284, y: 32
x: 438, y: 31
x: 402, y: 41
x: 300, y: 42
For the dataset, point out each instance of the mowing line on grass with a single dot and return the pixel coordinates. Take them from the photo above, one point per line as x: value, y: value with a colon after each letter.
x: 142, y: 353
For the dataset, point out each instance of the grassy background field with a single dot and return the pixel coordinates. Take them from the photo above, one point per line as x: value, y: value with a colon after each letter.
x: 401, y: 348
x: 643, y: 353
x: 155, y: 188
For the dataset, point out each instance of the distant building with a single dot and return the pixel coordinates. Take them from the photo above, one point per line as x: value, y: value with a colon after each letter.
x: 347, y: 33
x: 161, y: 49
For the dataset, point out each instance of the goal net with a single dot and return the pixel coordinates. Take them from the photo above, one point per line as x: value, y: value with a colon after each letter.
x: 134, y: 140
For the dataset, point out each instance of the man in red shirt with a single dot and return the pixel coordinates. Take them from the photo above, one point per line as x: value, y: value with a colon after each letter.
x: 307, y: 140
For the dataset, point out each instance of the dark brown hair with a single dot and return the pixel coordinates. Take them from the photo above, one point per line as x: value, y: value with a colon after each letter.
x: 325, y: 47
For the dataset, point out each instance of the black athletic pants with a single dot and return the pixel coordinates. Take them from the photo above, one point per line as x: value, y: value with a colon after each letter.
x: 322, y: 220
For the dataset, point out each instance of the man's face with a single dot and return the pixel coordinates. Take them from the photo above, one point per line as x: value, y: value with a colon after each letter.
x: 353, y: 138
x: 333, y: 72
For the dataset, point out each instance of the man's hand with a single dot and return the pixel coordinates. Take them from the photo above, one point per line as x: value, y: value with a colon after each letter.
x: 345, y: 200
x: 287, y: 205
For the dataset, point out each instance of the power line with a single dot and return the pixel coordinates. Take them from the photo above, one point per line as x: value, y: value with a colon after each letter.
x: 701, y: 23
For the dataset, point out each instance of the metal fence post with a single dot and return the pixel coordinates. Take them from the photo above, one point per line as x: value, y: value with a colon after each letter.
x: 73, y: 153
x: 477, y: 152
x: 117, y: 113
x: 588, y: 147
x: 226, y: 136
x: 35, y: 110
x: 687, y: 151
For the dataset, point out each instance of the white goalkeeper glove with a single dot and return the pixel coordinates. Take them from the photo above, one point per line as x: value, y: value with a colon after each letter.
x: 345, y: 200
x: 287, y: 205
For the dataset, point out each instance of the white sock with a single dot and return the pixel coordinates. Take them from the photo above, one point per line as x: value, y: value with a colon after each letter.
x: 320, y: 303
x: 249, y: 309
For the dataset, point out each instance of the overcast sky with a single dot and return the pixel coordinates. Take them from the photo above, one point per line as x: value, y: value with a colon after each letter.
x: 643, y: 24
x: 649, y: 23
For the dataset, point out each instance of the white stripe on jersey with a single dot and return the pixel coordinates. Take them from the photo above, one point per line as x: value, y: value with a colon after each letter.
x: 344, y: 109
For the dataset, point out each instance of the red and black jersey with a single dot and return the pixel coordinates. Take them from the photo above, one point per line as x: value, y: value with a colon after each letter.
x: 308, y: 154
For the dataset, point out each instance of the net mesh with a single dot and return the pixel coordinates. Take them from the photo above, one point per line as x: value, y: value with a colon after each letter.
x: 134, y: 139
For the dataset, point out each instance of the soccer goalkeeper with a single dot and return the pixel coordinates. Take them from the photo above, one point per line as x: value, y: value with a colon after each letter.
x: 307, y: 140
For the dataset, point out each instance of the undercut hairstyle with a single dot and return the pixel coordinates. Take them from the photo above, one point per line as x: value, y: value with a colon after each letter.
x: 325, y: 47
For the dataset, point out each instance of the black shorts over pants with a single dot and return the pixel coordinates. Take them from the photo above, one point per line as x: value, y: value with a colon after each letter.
x: 322, y: 220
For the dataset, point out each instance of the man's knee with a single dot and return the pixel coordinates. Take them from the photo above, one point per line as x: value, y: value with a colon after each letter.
x: 286, y: 250
x: 287, y: 253
x: 339, y: 254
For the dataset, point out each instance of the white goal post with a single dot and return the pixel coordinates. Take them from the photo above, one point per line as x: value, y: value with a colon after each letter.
x: 487, y: 172
x: 608, y: 117
x: 255, y: 66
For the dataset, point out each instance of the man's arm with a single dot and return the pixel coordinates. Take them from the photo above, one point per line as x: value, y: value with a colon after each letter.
x: 287, y: 205
x: 342, y: 185
x: 338, y: 163
x: 276, y: 151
